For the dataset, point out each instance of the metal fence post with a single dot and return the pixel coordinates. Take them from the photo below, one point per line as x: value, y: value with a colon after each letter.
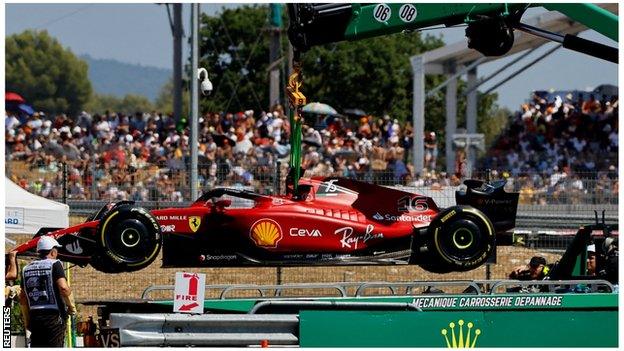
x: 93, y: 180
x: 64, y: 189
x: 278, y: 177
x: 277, y: 191
x: 278, y: 275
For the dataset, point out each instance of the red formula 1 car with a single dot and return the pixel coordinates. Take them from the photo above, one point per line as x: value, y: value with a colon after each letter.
x: 328, y: 221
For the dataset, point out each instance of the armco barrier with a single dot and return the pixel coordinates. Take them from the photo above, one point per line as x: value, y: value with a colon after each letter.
x: 593, y: 285
x: 342, y: 288
x: 155, y: 329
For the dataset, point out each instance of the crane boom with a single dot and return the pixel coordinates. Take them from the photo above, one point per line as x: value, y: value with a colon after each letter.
x: 490, y: 30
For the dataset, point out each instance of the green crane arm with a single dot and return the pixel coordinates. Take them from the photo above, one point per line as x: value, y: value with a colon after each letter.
x: 366, y: 19
x: 315, y: 24
x: 591, y: 15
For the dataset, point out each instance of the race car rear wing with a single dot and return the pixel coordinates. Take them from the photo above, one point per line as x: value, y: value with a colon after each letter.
x: 492, y: 199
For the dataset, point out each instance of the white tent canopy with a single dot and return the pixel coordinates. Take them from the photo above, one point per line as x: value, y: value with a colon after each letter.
x: 26, y: 213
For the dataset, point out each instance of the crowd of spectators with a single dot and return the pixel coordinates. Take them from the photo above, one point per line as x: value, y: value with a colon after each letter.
x: 561, y: 148
x: 145, y: 156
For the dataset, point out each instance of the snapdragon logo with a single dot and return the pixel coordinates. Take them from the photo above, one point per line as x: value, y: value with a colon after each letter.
x: 378, y: 216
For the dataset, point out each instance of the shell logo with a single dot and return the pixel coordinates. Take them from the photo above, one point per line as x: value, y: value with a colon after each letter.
x: 266, y: 233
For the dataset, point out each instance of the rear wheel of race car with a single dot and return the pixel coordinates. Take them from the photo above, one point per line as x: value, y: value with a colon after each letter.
x: 460, y: 238
x: 128, y: 239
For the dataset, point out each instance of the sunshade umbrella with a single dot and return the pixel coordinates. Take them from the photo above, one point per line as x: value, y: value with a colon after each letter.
x: 26, y: 109
x: 13, y: 97
x: 354, y: 112
x: 319, y: 108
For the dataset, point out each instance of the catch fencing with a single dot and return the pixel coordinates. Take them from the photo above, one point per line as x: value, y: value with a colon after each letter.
x: 164, y: 183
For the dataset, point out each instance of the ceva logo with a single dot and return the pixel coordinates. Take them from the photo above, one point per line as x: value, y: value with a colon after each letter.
x: 459, y: 340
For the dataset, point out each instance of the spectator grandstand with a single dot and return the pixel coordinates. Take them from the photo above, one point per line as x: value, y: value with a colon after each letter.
x: 561, y: 146
x: 556, y: 149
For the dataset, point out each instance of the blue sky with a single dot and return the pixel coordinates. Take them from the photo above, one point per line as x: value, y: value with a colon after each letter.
x: 140, y: 33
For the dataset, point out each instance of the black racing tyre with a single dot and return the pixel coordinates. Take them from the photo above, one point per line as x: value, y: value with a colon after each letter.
x: 460, y: 238
x: 128, y: 239
x: 96, y: 216
x: 103, y: 263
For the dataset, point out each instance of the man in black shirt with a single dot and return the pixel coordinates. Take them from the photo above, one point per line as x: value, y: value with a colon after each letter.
x: 47, y: 296
x: 537, y: 269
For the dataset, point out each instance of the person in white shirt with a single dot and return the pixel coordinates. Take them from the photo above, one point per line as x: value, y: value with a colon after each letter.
x: 10, y: 121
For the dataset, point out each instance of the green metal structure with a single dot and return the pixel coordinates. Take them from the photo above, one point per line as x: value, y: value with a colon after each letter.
x: 591, y: 15
x: 465, y: 329
x: 490, y: 31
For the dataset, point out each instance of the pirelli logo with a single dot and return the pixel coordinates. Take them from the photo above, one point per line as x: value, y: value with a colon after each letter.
x: 447, y: 216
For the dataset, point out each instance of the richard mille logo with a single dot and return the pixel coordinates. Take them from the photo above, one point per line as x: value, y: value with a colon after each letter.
x: 461, y: 340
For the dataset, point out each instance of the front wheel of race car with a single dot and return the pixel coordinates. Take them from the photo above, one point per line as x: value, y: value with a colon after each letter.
x: 460, y: 238
x: 128, y: 239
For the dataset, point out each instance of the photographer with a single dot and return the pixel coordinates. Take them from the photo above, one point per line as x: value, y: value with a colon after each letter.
x: 537, y: 269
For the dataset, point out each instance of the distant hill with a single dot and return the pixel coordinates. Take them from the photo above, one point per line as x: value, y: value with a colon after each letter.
x: 119, y: 78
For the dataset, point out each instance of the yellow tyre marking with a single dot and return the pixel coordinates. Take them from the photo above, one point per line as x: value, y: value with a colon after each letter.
x: 147, y: 259
x: 459, y: 231
x: 106, y: 223
x: 485, y: 220
x: 435, y: 240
